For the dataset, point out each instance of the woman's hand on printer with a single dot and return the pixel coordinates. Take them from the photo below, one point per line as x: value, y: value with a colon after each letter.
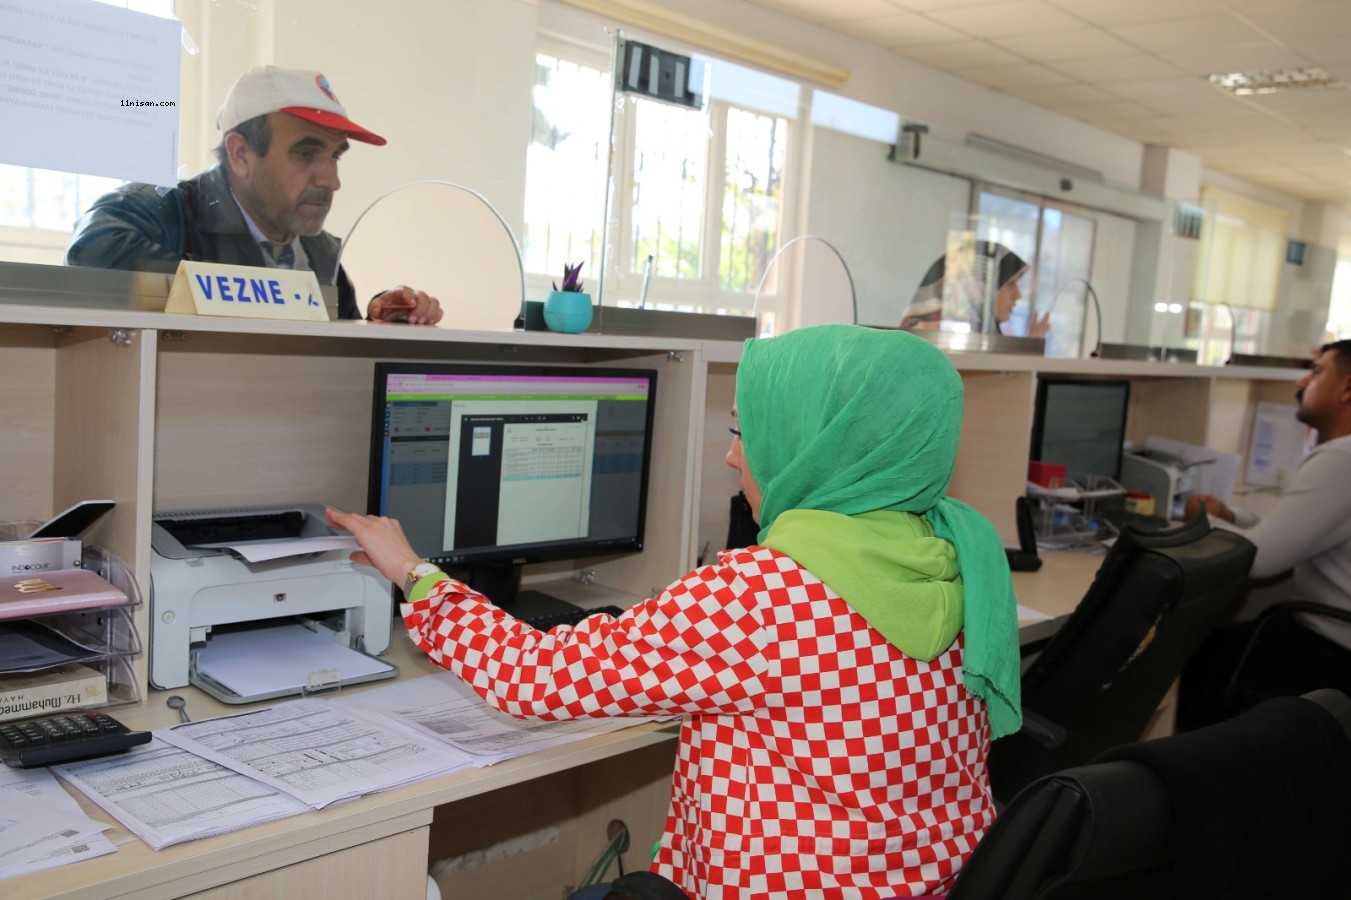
x: 382, y: 541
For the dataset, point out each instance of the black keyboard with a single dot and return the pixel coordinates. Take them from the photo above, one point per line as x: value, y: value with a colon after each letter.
x: 567, y: 617
x: 65, y: 738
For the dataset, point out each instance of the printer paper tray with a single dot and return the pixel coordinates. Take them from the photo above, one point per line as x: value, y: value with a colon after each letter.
x: 278, y: 661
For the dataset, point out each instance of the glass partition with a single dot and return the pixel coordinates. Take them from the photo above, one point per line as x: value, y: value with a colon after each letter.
x: 446, y: 239
x: 890, y: 222
x: 682, y: 200
x: 567, y: 158
x: 820, y: 272
x: 459, y: 116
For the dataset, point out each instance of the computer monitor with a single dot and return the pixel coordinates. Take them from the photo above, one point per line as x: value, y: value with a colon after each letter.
x: 1080, y: 424
x: 489, y: 467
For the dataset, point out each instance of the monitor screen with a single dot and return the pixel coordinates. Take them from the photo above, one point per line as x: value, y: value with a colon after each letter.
x: 492, y: 464
x: 1081, y: 425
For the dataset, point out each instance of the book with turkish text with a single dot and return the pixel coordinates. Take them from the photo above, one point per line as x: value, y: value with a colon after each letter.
x: 51, y: 690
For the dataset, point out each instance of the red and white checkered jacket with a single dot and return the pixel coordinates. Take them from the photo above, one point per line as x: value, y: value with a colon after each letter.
x: 815, y: 760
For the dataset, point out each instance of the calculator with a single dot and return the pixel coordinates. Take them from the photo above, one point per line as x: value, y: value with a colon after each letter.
x: 65, y: 738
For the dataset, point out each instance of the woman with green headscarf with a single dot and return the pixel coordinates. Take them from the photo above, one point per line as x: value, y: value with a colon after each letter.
x: 840, y: 681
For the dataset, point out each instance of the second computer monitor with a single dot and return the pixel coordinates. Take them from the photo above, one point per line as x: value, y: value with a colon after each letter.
x: 1080, y: 424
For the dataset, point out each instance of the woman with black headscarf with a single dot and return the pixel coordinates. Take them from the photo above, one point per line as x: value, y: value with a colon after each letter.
x: 961, y: 285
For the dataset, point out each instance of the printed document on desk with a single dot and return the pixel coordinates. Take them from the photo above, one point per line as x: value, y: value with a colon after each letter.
x: 41, y: 826
x: 316, y: 751
x: 165, y: 795
x: 444, y: 706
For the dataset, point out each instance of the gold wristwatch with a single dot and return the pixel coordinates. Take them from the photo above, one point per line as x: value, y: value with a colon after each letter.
x: 416, y: 574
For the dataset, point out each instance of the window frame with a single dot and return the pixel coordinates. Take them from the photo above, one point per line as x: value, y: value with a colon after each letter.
x: 702, y: 294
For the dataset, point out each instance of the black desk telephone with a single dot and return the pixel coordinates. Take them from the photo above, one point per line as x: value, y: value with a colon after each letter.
x: 1025, y: 558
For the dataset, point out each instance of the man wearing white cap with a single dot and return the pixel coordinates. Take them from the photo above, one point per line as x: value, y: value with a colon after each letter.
x: 263, y: 204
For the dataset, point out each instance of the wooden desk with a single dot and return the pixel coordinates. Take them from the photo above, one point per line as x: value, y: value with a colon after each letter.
x: 379, y: 845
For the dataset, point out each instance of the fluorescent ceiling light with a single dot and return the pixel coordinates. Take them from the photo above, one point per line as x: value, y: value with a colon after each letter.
x: 1269, y: 81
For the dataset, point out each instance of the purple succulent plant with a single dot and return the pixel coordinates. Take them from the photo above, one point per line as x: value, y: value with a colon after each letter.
x: 572, y: 283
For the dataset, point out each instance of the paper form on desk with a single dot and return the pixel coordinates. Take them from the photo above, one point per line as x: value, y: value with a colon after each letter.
x: 41, y: 826
x: 317, y: 752
x: 443, y: 706
x: 165, y: 795
x: 1027, y: 615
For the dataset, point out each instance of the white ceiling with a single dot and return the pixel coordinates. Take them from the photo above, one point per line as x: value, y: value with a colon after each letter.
x: 1138, y: 68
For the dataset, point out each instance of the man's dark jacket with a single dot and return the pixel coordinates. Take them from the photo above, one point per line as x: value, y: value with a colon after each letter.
x: 141, y: 226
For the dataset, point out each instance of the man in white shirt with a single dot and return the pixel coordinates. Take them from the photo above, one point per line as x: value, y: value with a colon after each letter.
x: 1307, y: 534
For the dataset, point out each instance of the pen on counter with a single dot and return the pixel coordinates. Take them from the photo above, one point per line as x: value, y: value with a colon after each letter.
x: 647, y: 279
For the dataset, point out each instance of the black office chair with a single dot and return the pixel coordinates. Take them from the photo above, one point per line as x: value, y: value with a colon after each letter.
x: 644, y: 886
x: 1279, y: 656
x: 1259, y: 806
x: 1101, y: 677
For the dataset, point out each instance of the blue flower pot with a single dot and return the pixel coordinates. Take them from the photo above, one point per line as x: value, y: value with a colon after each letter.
x: 567, y: 311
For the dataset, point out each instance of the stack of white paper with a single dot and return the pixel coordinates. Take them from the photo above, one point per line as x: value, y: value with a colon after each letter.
x: 41, y: 826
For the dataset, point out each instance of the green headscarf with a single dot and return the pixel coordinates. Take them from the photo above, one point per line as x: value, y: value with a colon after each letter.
x: 851, y: 434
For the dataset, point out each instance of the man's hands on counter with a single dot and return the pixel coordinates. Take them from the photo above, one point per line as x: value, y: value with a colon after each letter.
x: 404, y: 304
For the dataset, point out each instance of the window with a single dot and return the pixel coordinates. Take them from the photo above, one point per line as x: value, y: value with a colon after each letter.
x: 1242, y: 251
x: 700, y: 192
x: 43, y: 198
x: 1339, y: 310
x: 669, y: 174
x: 707, y: 199
x: 752, y: 206
x: 566, y: 166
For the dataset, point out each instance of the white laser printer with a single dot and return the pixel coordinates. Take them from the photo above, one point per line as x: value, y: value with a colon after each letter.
x: 1171, y: 471
x: 201, y: 582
